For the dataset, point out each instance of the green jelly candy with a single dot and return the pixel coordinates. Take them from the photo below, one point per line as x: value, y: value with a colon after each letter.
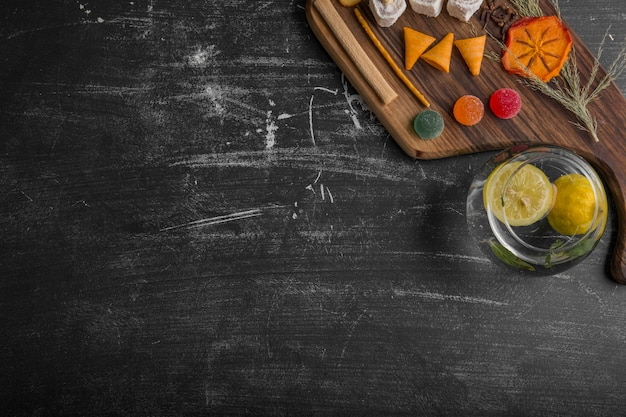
x: 428, y: 124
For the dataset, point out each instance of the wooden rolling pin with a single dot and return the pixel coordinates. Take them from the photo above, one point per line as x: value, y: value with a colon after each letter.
x: 355, y: 51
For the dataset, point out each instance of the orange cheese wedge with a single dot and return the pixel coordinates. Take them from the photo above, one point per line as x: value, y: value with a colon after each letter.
x: 439, y: 55
x: 415, y: 44
x: 472, y: 51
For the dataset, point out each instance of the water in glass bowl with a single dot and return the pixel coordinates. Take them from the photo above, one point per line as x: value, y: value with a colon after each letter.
x: 536, y: 208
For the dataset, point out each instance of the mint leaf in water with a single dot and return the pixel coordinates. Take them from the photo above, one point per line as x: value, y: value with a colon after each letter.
x: 507, y: 257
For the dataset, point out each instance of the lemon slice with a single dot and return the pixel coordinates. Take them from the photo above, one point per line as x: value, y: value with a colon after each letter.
x: 575, y: 205
x: 527, y: 198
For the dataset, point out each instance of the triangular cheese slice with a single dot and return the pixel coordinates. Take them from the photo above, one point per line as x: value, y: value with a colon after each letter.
x: 415, y: 43
x: 439, y: 55
x: 472, y: 51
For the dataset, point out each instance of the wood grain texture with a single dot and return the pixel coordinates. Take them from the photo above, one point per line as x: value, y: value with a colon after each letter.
x: 201, y: 216
x: 352, y: 48
x: 542, y: 120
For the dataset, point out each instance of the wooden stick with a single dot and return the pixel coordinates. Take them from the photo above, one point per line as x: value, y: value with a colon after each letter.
x: 360, y: 59
x: 389, y: 59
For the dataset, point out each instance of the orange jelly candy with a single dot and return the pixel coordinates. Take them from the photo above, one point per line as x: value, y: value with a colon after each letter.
x: 468, y: 110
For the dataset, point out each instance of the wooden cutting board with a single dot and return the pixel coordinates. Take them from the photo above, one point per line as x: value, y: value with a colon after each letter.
x: 542, y: 120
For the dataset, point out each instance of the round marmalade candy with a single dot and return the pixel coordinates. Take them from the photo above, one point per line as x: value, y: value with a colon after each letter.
x: 428, y: 124
x: 468, y: 110
x: 505, y: 103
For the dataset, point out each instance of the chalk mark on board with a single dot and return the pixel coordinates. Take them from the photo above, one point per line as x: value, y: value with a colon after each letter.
x: 270, y: 129
x: 311, y: 120
x: 330, y: 196
x: 210, y: 221
x: 447, y: 297
x: 39, y: 29
x: 349, y: 99
x: 324, y: 190
x: 215, y: 220
x: 306, y: 159
x: 349, y: 337
x: 328, y: 90
x: 201, y: 56
x: 27, y: 196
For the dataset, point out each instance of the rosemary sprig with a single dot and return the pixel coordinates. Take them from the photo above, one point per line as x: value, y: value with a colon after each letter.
x: 527, y: 7
x: 573, y: 95
x: 568, y: 89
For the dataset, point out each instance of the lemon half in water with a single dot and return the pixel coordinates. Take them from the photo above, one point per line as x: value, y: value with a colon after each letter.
x: 575, y: 206
x: 520, y: 191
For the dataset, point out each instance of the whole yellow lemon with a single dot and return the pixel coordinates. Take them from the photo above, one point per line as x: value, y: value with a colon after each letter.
x: 575, y: 206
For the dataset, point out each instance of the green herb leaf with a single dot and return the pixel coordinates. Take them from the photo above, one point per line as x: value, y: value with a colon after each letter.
x: 507, y: 257
x: 579, y: 250
x: 552, y: 251
x: 582, y: 248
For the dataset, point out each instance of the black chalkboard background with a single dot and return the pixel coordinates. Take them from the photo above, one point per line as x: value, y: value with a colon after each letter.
x: 198, y: 216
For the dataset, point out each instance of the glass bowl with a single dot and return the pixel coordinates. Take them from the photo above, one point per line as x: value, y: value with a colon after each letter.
x: 537, y: 248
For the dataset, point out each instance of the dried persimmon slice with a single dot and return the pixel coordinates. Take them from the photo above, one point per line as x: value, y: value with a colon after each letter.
x: 539, y: 45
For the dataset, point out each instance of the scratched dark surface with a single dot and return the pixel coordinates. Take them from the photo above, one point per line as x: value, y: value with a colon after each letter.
x: 199, y: 217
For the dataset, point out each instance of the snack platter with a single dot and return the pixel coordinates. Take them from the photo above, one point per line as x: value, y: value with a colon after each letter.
x: 541, y: 120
